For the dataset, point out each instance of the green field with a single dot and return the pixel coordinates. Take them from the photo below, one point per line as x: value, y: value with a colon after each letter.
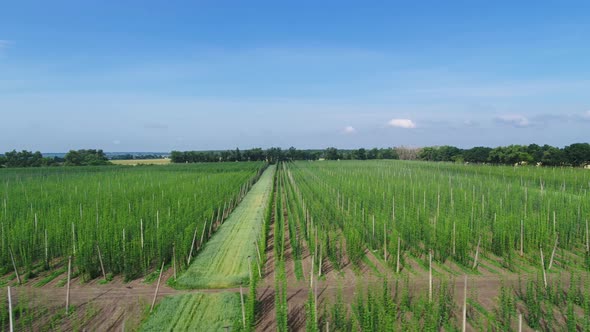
x: 136, y: 217
x: 523, y: 229
x: 135, y: 162
x: 196, y: 312
x: 224, y: 261
x: 519, y: 234
x: 446, y: 208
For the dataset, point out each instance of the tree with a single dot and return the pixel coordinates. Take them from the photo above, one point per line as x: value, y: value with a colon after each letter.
x: 552, y: 156
x: 360, y: 154
x: 510, y: 155
x: 331, y: 154
x: 373, y: 154
x: 89, y: 157
x: 479, y: 154
x: 577, y: 154
x: 388, y: 153
x: 274, y: 155
x: 256, y: 154
x: 23, y: 158
x: 536, y: 152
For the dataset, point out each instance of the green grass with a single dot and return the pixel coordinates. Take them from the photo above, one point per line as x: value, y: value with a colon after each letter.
x: 51, y: 276
x: 194, y: 312
x: 223, y: 263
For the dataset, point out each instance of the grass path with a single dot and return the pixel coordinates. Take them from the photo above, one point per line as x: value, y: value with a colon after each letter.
x: 223, y: 263
x: 189, y: 312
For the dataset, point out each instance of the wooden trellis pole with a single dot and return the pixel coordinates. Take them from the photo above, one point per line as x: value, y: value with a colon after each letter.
x: 157, y: 288
x: 68, y: 287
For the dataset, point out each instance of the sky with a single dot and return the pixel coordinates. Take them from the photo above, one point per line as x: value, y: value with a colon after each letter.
x: 207, y: 75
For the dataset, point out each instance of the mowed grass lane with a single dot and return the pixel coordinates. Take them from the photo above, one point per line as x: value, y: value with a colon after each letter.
x: 196, y: 312
x: 223, y: 263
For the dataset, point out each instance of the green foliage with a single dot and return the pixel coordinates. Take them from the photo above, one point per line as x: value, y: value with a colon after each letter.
x: 86, y: 158
x: 377, y: 309
x: 506, y: 309
x: 26, y: 159
x: 281, y: 306
x: 310, y: 316
x: 443, y: 207
x: 70, y: 211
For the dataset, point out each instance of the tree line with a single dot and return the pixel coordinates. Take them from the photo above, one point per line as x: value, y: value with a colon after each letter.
x: 26, y: 158
x: 271, y: 155
x: 277, y: 154
x: 575, y: 155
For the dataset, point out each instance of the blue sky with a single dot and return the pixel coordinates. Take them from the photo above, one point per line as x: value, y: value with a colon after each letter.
x: 157, y: 76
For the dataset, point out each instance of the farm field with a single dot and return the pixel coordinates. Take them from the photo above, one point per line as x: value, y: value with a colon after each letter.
x: 117, y: 223
x: 365, y: 229
x: 135, y: 162
x: 327, y: 245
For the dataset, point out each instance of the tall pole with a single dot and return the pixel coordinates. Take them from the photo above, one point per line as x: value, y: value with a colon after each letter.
x: 157, y: 288
x: 465, y: 305
x: 10, y: 311
x: 68, y: 287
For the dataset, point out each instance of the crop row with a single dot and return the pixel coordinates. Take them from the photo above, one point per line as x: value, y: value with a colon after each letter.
x: 453, y: 211
x: 114, y: 220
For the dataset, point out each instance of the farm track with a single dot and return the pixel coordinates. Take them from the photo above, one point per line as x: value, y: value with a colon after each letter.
x: 223, y: 264
x: 224, y: 261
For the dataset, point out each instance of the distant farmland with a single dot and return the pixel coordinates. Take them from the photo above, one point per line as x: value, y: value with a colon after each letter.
x: 134, y: 162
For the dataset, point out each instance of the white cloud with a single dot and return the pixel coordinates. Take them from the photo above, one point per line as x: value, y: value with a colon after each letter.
x: 515, y: 120
x: 586, y: 115
x: 470, y: 123
x: 349, y: 130
x: 402, y: 123
x: 116, y: 142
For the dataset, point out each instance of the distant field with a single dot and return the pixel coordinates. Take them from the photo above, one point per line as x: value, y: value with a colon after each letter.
x: 134, y: 162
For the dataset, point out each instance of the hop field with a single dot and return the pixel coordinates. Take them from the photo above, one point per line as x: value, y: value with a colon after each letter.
x: 114, y: 220
x: 447, y: 209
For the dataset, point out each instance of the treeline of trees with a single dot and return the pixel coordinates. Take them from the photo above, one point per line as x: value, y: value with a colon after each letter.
x: 26, y: 158
x: 576, y: 155
x: 361, y: 154
x: 89, y: 157
x: 277, y: 154
x: 257, y: 154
